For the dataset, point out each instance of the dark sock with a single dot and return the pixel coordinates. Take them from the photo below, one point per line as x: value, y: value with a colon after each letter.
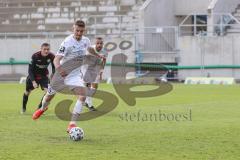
x: 40, y: 104
x: 25, y: 100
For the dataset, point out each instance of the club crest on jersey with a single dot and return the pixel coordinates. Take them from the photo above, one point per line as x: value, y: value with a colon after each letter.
x: 62, y: 49
x: 49, y: 60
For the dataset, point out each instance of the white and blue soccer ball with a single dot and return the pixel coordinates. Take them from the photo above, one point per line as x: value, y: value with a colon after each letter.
x: 76, y: 134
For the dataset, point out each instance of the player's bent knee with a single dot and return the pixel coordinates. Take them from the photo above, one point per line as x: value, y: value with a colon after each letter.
x: 82, y: 98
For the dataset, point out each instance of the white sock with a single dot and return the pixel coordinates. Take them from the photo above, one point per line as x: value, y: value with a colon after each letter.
x: 89, y: 101
x: 76, y: 112
x: 74, y: 119
x: 44, y: 103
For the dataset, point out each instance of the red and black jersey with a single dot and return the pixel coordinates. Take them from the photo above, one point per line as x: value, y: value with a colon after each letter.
x: 38, y: 67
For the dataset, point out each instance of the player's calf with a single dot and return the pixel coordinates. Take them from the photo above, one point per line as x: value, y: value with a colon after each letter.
x: 25, y: 100
x: 76, y: 113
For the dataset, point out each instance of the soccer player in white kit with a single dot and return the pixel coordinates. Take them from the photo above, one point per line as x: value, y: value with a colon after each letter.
x: 75, y: 45
x: 99, y: 49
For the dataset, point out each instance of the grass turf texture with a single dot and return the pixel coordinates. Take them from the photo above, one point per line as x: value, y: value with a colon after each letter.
x: 212, y: 134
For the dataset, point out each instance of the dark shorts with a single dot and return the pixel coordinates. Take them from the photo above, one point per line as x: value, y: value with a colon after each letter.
x: 43, y: 83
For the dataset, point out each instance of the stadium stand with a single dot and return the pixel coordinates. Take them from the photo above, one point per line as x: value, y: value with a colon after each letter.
x: 102, y: 16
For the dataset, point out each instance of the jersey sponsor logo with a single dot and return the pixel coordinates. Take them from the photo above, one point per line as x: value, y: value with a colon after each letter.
x: 82, y: 46
x: 78, y: 51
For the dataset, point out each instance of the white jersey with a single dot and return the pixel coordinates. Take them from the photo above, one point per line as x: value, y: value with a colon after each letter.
x: 93, y: 66
x: 71, y: 48
x: 103, y: 52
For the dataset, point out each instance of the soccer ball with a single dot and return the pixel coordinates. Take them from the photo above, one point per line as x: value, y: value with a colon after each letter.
x: 76, y: 134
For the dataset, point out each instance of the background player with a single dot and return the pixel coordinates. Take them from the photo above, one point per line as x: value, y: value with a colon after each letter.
x: 99, y: 69
x: 38, y: 72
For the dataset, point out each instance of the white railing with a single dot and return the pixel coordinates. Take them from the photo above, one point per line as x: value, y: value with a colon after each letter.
x: 227, y: 6
x: 145, y: 4
x: 215, y: 24
x: 212, y: 5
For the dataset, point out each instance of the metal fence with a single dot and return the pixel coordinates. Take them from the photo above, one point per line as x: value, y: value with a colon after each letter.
x: 157, y: 39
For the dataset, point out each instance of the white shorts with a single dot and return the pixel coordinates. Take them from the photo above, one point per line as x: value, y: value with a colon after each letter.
x: 73, y: 79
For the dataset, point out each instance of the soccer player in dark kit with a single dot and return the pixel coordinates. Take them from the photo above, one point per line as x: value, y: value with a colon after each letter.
x: 38, y: 72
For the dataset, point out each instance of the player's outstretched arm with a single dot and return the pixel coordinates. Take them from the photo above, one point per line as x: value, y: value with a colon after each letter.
x: 92, y: 51
x: 57, y: 65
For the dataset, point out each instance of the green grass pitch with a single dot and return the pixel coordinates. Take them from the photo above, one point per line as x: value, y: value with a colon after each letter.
x: 209, y: 131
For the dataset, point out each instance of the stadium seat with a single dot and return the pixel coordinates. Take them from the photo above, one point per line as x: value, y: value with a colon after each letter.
x: 37, y: 16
